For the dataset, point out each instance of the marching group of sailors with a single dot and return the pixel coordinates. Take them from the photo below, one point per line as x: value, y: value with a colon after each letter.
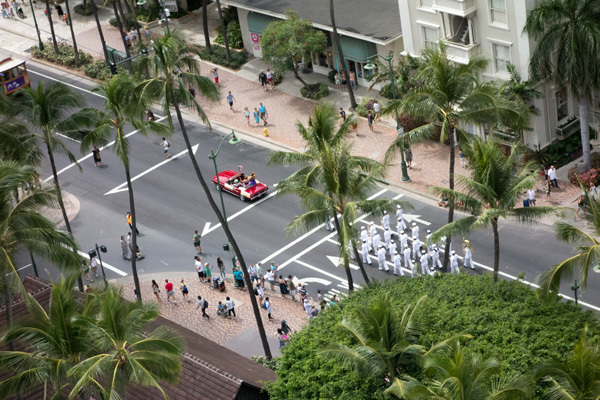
x: 427, y: 253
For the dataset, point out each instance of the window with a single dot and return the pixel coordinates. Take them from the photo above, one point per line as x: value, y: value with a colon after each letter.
x: 498, y: 12
x: 562, y: 106
x: 426, y: 3
x: 501, y: 57
x: 430, y: 38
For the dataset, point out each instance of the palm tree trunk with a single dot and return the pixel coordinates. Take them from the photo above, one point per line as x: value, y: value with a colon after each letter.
x: 136, y: 279
x: 451, y: 137
x: 128, y: 7
x: 215, y: 207
x: 223, y: 30
x: 361, y: 266
x: 338, y: 45
x: 60, y: 199
x: 343, y: 246
x: 205, y: 23
x: 104, y: 49
x: 72, y: 33
x: 137, y: 26
x: 9, y: 308
x: 584, y: 119
x: 54, y: 43
x: 496, y: 249
x: 116, y: 6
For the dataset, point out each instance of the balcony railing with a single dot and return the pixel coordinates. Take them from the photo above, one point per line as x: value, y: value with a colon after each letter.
x: 455, y: 7
x: 461, y: 53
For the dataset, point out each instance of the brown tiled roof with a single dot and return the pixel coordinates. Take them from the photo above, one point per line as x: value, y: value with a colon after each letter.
x: 209, y: 370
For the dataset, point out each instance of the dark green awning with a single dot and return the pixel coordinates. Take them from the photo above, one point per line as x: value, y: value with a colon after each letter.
x: 356, y: 49
x: 258, y: 22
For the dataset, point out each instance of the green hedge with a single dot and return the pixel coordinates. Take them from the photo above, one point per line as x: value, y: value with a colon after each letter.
x: 84, y: 10
x: 507, y: 320
x: 234, y: 35
x: 66, y: 55
x: 366, y: 105
x: 216, y: 54
x: 130, y: 22
x: 315, y: 91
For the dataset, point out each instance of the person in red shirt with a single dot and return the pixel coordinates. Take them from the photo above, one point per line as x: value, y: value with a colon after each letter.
x: 170, y: 291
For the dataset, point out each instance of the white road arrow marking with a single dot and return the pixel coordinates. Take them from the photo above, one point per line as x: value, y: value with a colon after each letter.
x: 322, y: 281
x: 105, y: 264
x: 324, y: 273
x: 123, y: 186
x: 415, y: 218
x: 338, y: 262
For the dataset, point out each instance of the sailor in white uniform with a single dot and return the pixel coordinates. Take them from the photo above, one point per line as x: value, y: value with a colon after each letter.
x: 435, y: 257
x: 401, y: 225
x: 364, y: 251
x: 416, y: 245
x: 387, y: 236
x: 376, y: 240
x: 454, y: 263
x: 428, y: 241
x: 397, y: 264
x: 403, y: 239
x: 392, y: 248
x: 407, y: 261
x: 385, y: 220
x: 364, y: 236
x: 415, y: 230
x: 381, y: 259
x: 372, y: 230
x: 468, y: 260
x: 424, y: 262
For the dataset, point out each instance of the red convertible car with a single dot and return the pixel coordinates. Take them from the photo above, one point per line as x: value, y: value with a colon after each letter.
x: 232, y: 182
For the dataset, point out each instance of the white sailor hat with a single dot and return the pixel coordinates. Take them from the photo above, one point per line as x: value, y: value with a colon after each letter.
x: 380, y: 246
x: 398, y: 206
x: 402, y: 232
x: 395, y: 252
x: 453, y: 252
x: 414, y: 238
x: 365, y: 241
x: 371, y: 223
x: 362, y: 227
x: 385, y: 211
x: 387, y: 228
x: 414, y: 224
x: 391, y: 241
x: 435, y: 246
x: 428, y: 231
x: 406, y: 246
x: 422, y: 251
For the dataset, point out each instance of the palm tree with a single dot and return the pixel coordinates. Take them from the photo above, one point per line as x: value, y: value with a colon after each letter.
x: 52, y: 344
x: 121, y: 352
x: 336, y: 41
x: 491, y: 192
x: 205, y: 23
x: 100, y: 33
x: 22, y: 225
x: 566, y: 53
x: 223, y: 30
x: 383, y: 342
x: 586, y: 245
x: 50, y: 109
x: 457, y: 375
x: 331, y: 181
x: 54, y: 42
x: 450, y: 97
x: 75, y: 50
x: 122, y: 106
x: 578, y: 377
x: 172, y: 70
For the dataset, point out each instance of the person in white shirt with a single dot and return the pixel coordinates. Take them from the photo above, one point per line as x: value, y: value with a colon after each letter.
x: 387, y: 236
x: 392, y: 248
x: 468, y: 260
x: 376, y: 240
x: 424, y: 262
x: 364, y: 236
x: 372, y: 231
x: 407, y: 261
x: 397, y: 264
x: 531, y: 196
x: 403, y: 239
x: 400, y: 226
x: 552, y: 176
x: 435, y: 257
x: 428, y: 240
x: 415, y: 230
x: 364, y: 250
x: 381, y: 259
x: 385, y: 220
x: 269, y: 306
x: 416, y: 247
x: 454, y: 263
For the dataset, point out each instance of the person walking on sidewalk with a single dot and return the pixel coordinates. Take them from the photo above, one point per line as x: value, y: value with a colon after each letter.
x: 230, y: 100
x: 166, y: 146
x: 342, y: 114
x: 230, y: 307
x: 268, y: 305
x: 156, y: 290
x: 199, y: 268
x: 239, y: 278
x: 170, y: 292
x: 129, y: 223
x: 215, y: 72
x: 263, y: 113
x: 370, y: 119
x: 262, y: 78
x: 256, y: 116
x: 196, y: 240
x: 353, y: 79
x: 270, y: 78
x: 338, y: 82
x: 377, y: 110
x: 408, y: 156
x: 292, y: 287
x: 184, y: 291
x: 124, y: 248
x: 221, y: 266
x: 247, y: 115
x: 552, y: 176
x: 343, y: 79
x: 203, y: 305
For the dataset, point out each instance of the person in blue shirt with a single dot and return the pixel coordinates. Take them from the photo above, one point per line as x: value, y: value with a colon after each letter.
x: 230, y: 100
x: 239, y: 278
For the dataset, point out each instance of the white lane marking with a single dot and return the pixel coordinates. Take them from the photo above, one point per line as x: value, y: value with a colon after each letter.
x: 70, y: 138
x: 323, y: 272
x: 322, y: 281
x: 105, y: 265
x: 22, y: 268
x: 338, y: 262
x: 309, y: 233
x: 64, y: 83
x: 416, y: 218
x: 123, y: 186
x: 208, y: 229
x: 90, y: 155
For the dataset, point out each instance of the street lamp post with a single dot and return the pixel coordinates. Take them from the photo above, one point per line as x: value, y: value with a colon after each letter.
x: 213, y: 156
x: 36, y: 27
x: 399, y: 128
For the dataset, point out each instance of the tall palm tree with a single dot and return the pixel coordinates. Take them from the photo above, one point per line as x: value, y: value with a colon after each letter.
x: 450, y: 96
x: 122, y: 106
x: 54, y: 42
x: 566, y: 53
x: 336, y: 41
x: 205, y: 23
x: 52, y: 344
x: 75, y: 50
x: 51, y: 110
x: 586, y: 245
x: 457, y: 375
x: 331, y: 181
x: 22, y: 225
x: 491, y: 192
x: 100, y: 33
x: 121, y: 352
x: 223, y: 30
x: 578, y: 377
x: 173, y: 69
x: 383, y: 341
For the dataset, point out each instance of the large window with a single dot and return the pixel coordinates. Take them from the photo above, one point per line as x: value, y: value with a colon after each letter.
x: 498, y: 12
x: 430, y: 38
x: 501, y: 57
x: 562, y: 106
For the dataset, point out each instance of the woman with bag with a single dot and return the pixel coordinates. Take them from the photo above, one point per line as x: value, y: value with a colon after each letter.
x: 156, y: 290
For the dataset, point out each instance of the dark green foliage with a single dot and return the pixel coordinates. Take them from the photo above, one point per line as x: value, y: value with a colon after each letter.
x: 130, y: 22
x: 315, y: 91
x: 84, y: 10
x: 151, y: 12
x: 194, y: 5
x: 366, y: 104
x: 507, y: 320
x: 97, y: 70
x: 66, y: 55
x: 216, y: 54
x: 234, y: 34
x: 559, y: 153
x: 331, y: 75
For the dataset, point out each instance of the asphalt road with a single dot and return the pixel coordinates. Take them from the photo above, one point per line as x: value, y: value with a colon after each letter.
x: 170, y: 205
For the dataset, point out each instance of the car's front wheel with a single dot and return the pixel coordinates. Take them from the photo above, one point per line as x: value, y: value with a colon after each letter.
x: 242, y: 198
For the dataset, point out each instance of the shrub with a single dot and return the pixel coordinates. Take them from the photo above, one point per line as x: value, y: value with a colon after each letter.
x: 216, y: 54
x: 83, y: 9
x: 234, y: 35
x: 507, y: 320
x: 130, y: 22
x: 152, y: 11
x: 66, y: 55
x: 331, y: 75
x: 97, y: 70
x: 366, y: 104
x: 315, y: 91
x: 587, y: 178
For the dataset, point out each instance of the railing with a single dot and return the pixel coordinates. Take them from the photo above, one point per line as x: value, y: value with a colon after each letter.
x: 461, y: 52
x: 456, y: 7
